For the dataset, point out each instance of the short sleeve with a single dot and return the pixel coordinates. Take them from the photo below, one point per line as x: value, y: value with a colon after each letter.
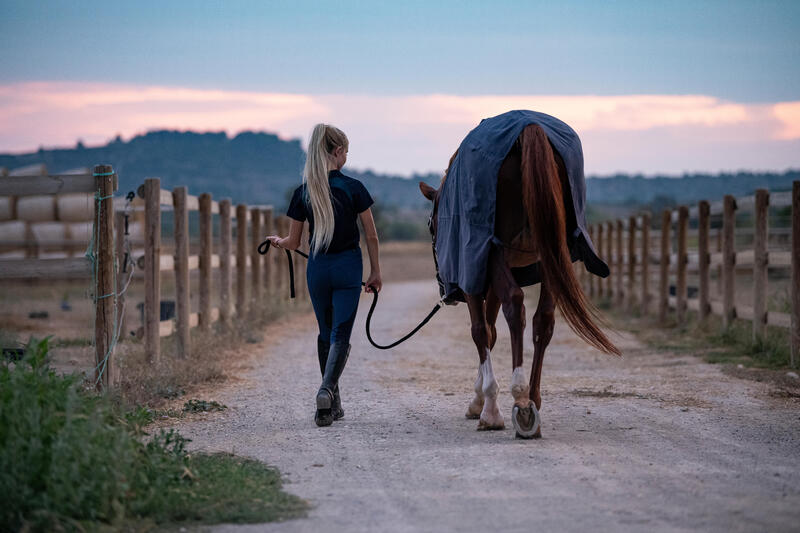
x: 361, y: 198
x: 297, y: 206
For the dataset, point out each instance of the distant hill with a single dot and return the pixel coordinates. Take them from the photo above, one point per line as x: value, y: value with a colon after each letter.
x: 260, y: 168
x: 622, y: 189
x: 255, y: 168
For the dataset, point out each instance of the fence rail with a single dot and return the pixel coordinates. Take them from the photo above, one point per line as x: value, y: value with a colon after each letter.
x: 98, y: 265
x: 256, y: 277
x: 628, y: 246
x: 232, y: 256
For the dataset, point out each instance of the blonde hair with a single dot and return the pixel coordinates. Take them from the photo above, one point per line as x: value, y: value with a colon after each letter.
x: 324, y: 140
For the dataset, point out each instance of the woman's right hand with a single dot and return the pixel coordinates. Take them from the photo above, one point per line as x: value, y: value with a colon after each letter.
x: 373, y: 283
x: 274, y: 240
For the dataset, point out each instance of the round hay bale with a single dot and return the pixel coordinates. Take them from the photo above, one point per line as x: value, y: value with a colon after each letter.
x: 75, y: 207
x: 13, y: 230
x: 6, y: 205
x: 12, y: 237
x: 36, y: 208
x: 80, y: 231
x: 49, y: 234
x: 136, y: 231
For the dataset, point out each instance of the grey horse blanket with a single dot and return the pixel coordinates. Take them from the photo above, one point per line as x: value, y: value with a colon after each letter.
x: 465, y: 217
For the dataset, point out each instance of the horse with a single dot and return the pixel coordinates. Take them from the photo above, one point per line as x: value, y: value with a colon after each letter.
x: 531, y: 215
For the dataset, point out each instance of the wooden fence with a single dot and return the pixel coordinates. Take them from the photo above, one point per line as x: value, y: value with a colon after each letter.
x: 246, y: 282
x: 257, y: 278
x: 98, y: 263
x: 627, y: 245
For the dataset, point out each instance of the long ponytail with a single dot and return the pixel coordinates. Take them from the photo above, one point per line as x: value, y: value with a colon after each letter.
x: 324, y: 140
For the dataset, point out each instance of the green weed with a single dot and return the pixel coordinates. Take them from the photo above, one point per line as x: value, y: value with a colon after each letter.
x: 73, y: 460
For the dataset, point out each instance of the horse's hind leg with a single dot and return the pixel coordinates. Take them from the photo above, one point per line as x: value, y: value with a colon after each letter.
x: 543, y: 321
x: 485, y: 386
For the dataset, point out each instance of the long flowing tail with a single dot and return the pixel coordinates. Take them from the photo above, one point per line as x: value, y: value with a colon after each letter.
x: 542, y: 198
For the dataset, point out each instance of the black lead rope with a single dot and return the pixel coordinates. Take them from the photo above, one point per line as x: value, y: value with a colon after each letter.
x: 263, y: 249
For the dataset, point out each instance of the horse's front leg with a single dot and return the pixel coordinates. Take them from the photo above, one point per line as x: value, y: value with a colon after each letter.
x: 485, y: 385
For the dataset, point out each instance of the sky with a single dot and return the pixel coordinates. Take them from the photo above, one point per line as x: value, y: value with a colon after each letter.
x: 650, y: 86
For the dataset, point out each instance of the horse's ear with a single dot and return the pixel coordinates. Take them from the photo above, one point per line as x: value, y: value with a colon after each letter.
x: 427, y: 191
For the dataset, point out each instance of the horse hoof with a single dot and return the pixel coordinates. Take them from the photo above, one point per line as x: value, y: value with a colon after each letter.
x: 486, y: 426
x: 526, y: 421
x: 472, y: 416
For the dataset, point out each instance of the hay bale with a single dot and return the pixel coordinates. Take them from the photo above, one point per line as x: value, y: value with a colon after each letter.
x: 80, y: 231
x: 77, y: 207
x: 13, y: 230
x: 12, y: 238
x: 36, y: 208
x: 7, y: 207
x: 49, y: 234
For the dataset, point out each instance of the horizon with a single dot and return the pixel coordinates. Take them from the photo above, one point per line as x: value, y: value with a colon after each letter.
x: 680, y: 88
x: 230, y: 136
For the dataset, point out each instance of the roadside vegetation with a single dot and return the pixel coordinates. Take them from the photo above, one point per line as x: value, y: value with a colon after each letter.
x: 734, y: 345
x: 73, y: 460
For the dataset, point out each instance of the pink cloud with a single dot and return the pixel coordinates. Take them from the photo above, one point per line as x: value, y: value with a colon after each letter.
x: 650, y: 133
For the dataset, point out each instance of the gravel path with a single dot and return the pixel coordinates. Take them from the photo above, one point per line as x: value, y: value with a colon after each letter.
x: 651, y: 441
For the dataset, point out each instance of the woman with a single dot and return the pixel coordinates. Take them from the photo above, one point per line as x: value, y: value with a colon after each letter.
x: 331, y: 202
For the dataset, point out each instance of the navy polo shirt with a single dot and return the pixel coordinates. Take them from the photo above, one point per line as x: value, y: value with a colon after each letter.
x: 350, y: 198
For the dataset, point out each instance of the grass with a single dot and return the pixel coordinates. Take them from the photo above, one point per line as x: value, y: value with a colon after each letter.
x: 710, y: 340
x: 72, y: 460
x: 151, y: 383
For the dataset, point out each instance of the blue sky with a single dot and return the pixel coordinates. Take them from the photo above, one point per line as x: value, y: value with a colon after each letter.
x: 737, y: 52
x: 748, y: 51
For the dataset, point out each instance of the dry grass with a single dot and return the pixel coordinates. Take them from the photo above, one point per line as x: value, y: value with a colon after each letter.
x: 214, y: 357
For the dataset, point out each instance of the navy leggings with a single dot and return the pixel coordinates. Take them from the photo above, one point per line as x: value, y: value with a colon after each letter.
x: 334, y: 284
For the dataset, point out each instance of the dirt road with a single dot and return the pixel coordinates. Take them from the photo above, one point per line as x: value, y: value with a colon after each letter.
x: 655, y: 442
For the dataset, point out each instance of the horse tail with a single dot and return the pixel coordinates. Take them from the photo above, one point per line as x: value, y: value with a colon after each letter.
x: 543, y: 201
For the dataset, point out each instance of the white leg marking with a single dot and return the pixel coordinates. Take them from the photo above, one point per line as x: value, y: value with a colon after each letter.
x: 519, y: 386
x: 490, y: 415
x: 489, y: 383
x: 476, y: 405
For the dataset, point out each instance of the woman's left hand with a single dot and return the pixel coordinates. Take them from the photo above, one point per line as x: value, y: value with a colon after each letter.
x: 374, y: 283
x: 274, y: 240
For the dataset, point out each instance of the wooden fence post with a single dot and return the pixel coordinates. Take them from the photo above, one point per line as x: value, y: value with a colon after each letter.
x: 630, y: 300
x: 225, y: 261
x: 255, y: 262
x: 795, y: 287
x: 728, y: 260
x: 663, y: 290
x: 703, y: 228
x: 105, y: 291
x: 600, y: 282
x: 205, y: 261
x: 719, y: 266
x: 683, y: 260
x: 611, y: 262
x: 182, y: 309
x: 122, y: 271
x: 152, y: 268
x: 241, y: 260
x: 645, y: 297
x: 268, y: 228
x: 589, y: 277
x: 620, y: 265
x: 760, y: 262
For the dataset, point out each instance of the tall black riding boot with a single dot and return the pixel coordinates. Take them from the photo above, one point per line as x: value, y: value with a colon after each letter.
x: 323, y: 347
x: 337, y: 359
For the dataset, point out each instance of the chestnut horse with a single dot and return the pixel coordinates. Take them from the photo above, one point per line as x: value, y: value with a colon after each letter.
x: 530, y: 221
